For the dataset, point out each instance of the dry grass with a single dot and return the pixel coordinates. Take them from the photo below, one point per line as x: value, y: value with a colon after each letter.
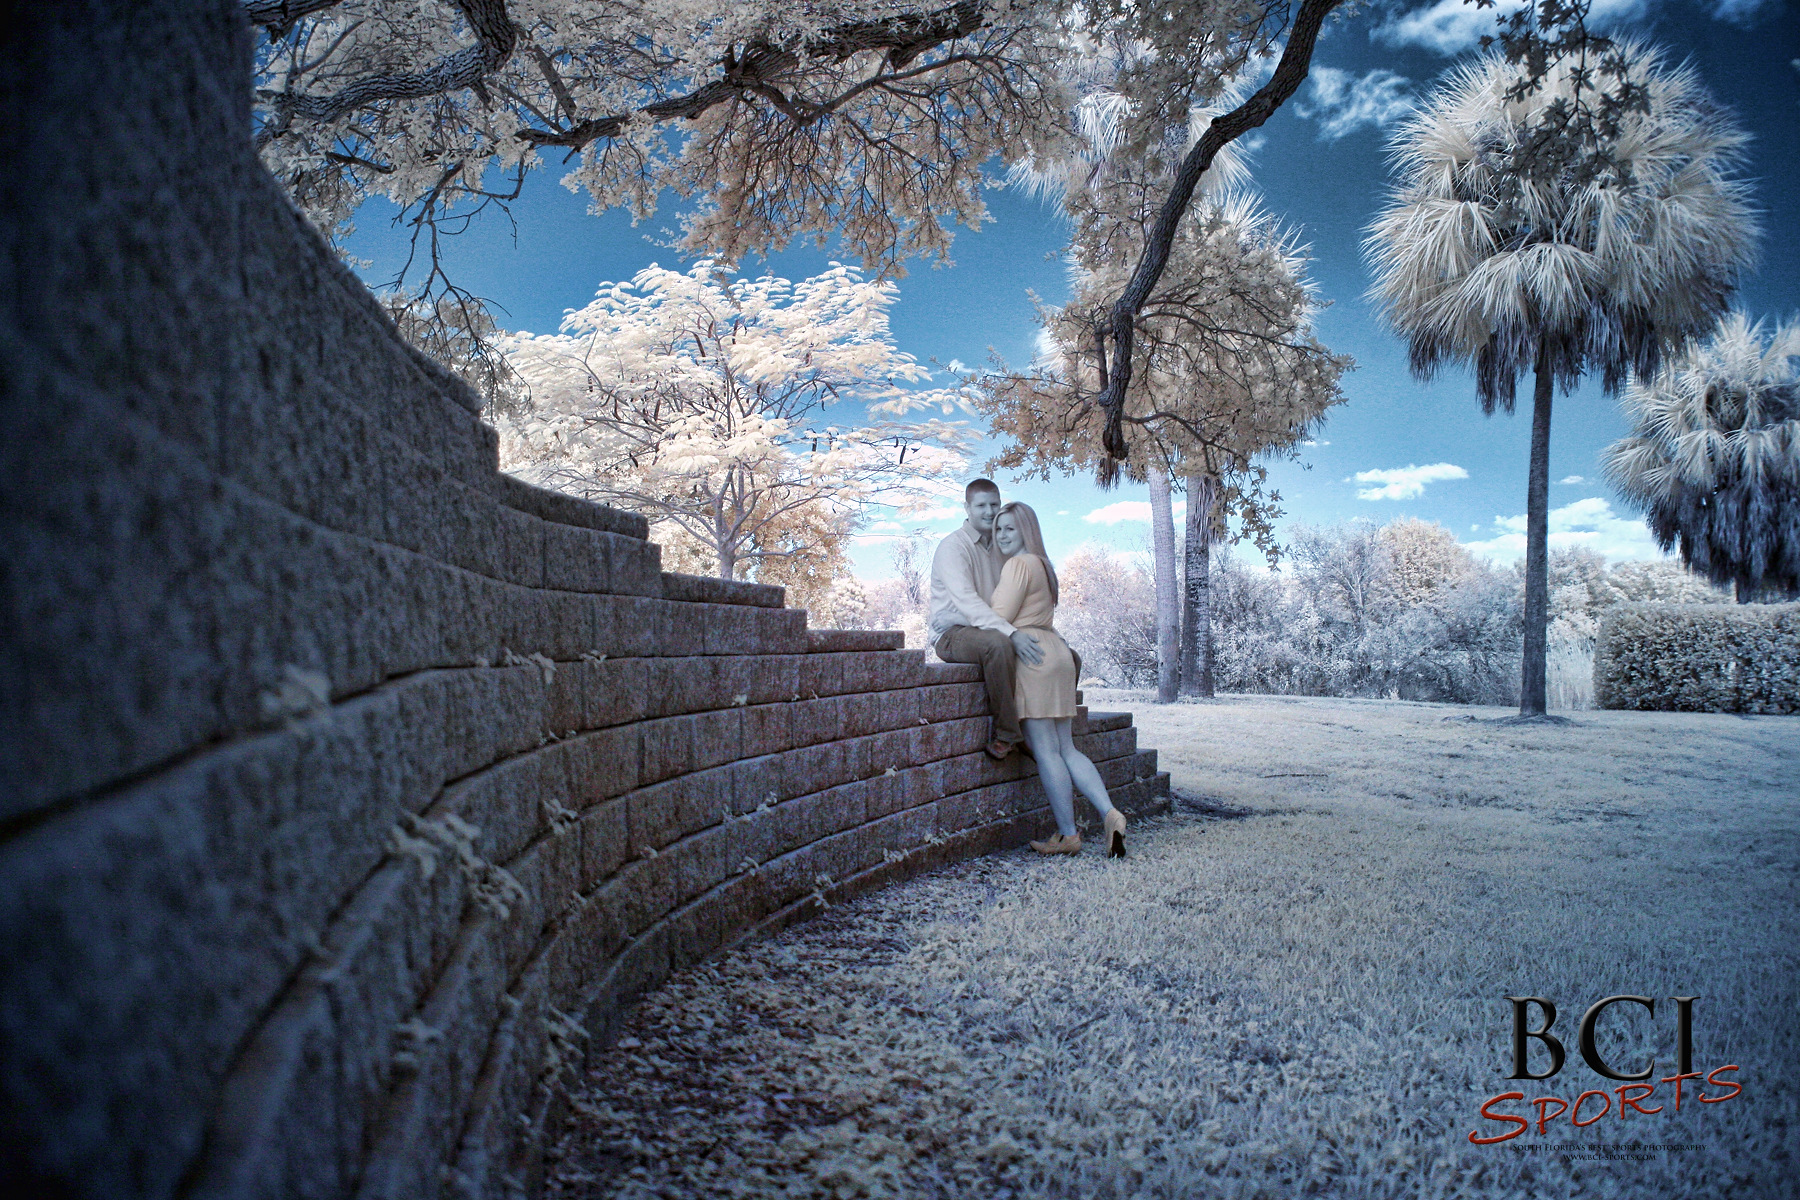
x: 1294, y: 986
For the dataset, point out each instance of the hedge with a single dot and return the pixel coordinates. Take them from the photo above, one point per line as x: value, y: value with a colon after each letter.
x: 1699, y: 658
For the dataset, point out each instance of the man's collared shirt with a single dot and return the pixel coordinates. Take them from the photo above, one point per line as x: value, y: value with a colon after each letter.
x: 964, y: 573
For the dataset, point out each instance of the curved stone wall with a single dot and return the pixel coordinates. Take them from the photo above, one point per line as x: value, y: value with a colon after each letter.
x: 352, y: 787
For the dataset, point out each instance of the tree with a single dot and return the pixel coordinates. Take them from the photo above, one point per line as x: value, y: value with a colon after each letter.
x: 1105, y: 610
x: 1228, y: 369
x: 866, y: 120
x: 1422, y: 557
x: 696, y: 401
x: 1713, y: 457
x: 1168, y: 611
x: 1630, y: 249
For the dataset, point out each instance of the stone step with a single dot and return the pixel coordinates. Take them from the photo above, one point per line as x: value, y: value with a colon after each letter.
x: 1106, y: 722
x: 563, y: 509
x: 706, y: 589
x: 823, y: 641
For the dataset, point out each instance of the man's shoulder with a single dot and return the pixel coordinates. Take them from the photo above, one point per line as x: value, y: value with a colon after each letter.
x: 956, y: 540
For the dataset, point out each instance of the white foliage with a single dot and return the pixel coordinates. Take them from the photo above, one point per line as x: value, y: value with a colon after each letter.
x: 776, y: 119
x: 701, y: 402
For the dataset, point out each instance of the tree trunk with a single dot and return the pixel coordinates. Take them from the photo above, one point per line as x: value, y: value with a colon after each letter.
x: 1537, y: 547
x: 1168, y: 619
x: 1196, y: 616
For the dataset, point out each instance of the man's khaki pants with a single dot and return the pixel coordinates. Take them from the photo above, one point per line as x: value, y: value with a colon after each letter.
x: 993, y: 651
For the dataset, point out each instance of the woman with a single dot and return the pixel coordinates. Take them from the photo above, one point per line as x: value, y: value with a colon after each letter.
x: 1026, y: 598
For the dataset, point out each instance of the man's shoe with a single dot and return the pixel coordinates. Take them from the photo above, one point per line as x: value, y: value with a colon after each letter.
x: 998, y: 750
x: 1059, y: 845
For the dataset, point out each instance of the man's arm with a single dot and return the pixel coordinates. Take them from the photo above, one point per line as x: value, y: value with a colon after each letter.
x: 950, y: 566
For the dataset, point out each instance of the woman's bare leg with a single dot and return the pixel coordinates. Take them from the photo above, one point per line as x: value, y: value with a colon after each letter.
x: 1041, y: 733
x: 1079, y: 767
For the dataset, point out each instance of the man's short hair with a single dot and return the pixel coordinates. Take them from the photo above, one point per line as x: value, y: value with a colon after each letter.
x: 977, y: 486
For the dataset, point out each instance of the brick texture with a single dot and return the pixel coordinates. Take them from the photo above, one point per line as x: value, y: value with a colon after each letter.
x: 351, y: 788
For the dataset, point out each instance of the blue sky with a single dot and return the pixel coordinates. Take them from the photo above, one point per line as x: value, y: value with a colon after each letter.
x: 1421, y: 450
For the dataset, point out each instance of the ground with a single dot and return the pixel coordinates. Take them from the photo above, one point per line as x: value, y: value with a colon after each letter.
x: 1293, y: 985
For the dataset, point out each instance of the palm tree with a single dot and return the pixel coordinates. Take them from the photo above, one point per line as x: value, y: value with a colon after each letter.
x: 1714, y: 456
x: 1625, y: 251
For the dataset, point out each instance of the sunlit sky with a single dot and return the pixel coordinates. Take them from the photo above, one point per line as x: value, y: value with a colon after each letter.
x: 1397, y: 447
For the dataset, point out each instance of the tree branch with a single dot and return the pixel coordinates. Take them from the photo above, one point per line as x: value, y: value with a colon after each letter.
x: 904, y: 38
x: 495, y: 34
x: 1289, y: 73
x: 279, y: 16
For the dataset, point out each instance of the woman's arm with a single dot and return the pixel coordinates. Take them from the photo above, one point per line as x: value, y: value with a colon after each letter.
x: 1015, y: 584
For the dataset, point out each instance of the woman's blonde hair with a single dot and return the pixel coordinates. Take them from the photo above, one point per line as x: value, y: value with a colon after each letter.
x: 1033, y: 535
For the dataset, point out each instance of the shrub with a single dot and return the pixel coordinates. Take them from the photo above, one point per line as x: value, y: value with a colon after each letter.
x: 1700, y: 658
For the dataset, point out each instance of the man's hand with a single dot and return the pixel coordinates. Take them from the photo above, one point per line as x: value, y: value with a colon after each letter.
x: 1026, y: 647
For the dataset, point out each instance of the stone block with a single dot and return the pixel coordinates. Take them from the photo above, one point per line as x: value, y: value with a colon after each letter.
x: 816, y: 721
x: 707, y: 589
x: 614, y: 692
x: 644, y: 890
x: 604, y: 764
x: 675, y: 686
x: 605, y: 841
x: 767, y: 729
x: 680, y: 629
x: 630, y: 625
x: 886, y: 794
x: 949, y: 702
x: 705, y: 860
x: 562, y: 508
x: 813, y: 769
x: 947, y: 739
x: 641, y: 966
x: 758, y: 780
x: 827, y: 641
x: 575, y: 560
x: 718, y: 737
x: 593, y: 933
x: 960, y: 773
x: 820, y: 675
x: 667, y: 811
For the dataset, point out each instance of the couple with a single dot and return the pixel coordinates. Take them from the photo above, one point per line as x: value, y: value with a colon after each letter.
x: 993, y: 591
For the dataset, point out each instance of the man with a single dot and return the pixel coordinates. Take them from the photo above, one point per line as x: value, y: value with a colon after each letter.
x: 964, y: 573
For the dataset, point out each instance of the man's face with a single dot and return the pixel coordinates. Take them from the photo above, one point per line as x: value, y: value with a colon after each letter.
x: 982, y: 507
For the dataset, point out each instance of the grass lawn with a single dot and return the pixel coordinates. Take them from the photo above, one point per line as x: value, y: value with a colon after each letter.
x: 1294, y: 985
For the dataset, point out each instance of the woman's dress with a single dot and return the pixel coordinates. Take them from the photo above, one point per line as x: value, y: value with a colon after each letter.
x: 1023, y: 600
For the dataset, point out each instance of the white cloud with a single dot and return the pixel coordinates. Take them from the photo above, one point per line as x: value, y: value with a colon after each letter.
x: 1404, y: 483
x: 955, y: 366
x: 1590, y: 524
x: 1316, y: 442
x: 1738, y: 12
x: 1128, y: 510
x: 1343, y: 103
x: 1571, y: 479
x: 937, y: 514
x: 1453, y: 26
x: 1120, y: 510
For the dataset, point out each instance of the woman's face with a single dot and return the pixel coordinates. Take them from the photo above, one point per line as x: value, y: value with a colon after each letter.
x: 1006, y: 534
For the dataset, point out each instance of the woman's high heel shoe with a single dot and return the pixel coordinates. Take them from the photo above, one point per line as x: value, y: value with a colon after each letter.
x: 1059, y: 844
x: 1115, y: 833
